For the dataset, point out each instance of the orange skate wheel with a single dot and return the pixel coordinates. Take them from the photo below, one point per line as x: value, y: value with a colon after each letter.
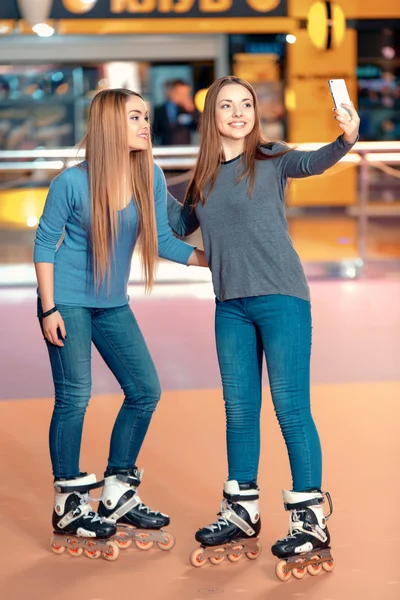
x: 196, y: 558
x: 300, y: 571
x: 169, y: 544
x: 217, y: 560
x: 75, y: 551
x: 112, y: 552
x: 329, y: 565
x: 92, y: 553
x: 235, y: 557
x: 123, y: 541
x: 281, y: 571
x: 56, y: 548
x: 254, y: 555
x: 314, y: 569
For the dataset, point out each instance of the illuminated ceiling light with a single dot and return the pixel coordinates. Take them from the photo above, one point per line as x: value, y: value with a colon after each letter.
x: 32, y: 221
x: 43, y: 30
x: 4, y: 28
x: 291, y: 39
x: 388, y: 52
x: 326, y: 25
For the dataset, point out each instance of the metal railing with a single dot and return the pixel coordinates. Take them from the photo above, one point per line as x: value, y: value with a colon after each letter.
x: 367, y: 156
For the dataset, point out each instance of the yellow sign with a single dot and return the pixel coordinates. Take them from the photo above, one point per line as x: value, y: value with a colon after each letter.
x: 191, y: 8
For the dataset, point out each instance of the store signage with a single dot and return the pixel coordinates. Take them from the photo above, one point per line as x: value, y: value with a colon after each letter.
x: 106, y: 9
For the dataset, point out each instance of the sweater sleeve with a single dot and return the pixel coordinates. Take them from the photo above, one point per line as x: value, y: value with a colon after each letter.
x: 298, y: 164
x: 168, y: 246
x: 57, y: 210
x: 182, y: 219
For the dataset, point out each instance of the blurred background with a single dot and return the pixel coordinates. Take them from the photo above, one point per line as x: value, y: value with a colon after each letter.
x: 343, y: 223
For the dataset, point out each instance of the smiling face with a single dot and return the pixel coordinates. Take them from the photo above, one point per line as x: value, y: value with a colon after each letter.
x: 138, y: 123
x: 234, y: 112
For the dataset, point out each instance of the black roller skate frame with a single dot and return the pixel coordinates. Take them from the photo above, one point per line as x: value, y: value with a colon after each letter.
x: 134, y: 520
x: 235, y: 533
x: 77, y: 527
x: 306, y: 548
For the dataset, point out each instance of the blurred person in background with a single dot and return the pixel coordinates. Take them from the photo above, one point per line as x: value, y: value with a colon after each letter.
x: 102, y: 207
x: 174, y: 121
x: 236, y: 196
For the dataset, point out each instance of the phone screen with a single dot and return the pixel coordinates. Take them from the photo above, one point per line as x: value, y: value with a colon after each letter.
x: 339, y: 93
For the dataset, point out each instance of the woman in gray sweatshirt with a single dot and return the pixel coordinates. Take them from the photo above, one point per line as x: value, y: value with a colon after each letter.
x: 237, y: 197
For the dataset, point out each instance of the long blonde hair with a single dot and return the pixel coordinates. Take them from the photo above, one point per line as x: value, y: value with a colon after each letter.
x: 210, y: 156
x: 115, y: 173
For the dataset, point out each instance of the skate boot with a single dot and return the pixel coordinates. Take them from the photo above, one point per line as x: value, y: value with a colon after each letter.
x: 135, y: 521
x: 307, y: 545
x: 235, y: 532
x: 77, y: 527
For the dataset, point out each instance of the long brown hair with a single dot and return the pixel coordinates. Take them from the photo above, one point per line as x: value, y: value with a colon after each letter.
x: 210, y: 156
x: 115, y: 173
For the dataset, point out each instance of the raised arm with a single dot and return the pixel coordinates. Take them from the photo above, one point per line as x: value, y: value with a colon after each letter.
x: 169, y: 246
x: 303, y: 164
x: 182, y: 219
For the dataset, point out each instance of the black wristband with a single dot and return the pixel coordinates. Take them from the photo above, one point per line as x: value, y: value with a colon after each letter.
x: 49, y: 312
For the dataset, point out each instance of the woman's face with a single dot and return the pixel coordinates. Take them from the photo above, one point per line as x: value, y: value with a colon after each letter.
x: 234, y: 112
x: 138, y: 123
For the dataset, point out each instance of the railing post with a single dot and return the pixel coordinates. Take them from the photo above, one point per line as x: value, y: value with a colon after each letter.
x: 363, y: 206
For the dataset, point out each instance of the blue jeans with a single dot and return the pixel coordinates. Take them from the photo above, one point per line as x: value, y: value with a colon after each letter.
x: 117, y: 337
x: 280, y: 327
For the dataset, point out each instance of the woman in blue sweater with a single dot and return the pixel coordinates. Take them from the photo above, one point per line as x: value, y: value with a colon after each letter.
x: 236, y: 196
x: 93, y: 217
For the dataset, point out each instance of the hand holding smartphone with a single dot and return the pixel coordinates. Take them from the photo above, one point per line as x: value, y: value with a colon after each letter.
x: 346, y: 116
x: 340, y: 95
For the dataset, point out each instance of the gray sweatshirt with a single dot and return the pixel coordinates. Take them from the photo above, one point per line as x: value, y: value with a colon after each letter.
x: 246, y: 239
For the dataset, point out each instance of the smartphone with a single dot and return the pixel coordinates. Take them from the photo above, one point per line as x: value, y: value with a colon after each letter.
x: 339, y: 94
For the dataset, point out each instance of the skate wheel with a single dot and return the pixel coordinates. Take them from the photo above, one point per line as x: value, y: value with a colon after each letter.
x: 281, y: 571
x: 123, y: 541
x: 55, y: 547
x: 75, y: 551
x: 235, y: 557
x: 196, y: 558
x: 254, y: 555
x: 314, y: 569
x: 299, y: 572
x: 92, y: 553
x: 329, y: 565
x: 217, y: 560
x: 143, y: 545
x: 169, y: 544
x: 112, y: 552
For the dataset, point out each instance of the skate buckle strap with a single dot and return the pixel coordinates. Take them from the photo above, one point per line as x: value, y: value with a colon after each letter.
x: 125, y: 508
x: 238, y: 521
x: 305, y: 504
x: 129, y: 479
x: 73, y: 515
x: 69, y: 489
x: 240, y: 497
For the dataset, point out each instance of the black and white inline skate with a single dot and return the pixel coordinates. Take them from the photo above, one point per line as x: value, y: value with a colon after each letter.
x: 134, y: 520
x: 77, y: 527
x: 306, y: 548
x: 235, y: 532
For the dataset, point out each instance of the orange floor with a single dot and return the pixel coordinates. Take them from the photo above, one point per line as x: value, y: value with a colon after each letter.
x: 185, y: 465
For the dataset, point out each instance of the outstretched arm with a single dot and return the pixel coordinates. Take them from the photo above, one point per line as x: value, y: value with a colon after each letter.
x: 303, y: 164
x: 169, y: 246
